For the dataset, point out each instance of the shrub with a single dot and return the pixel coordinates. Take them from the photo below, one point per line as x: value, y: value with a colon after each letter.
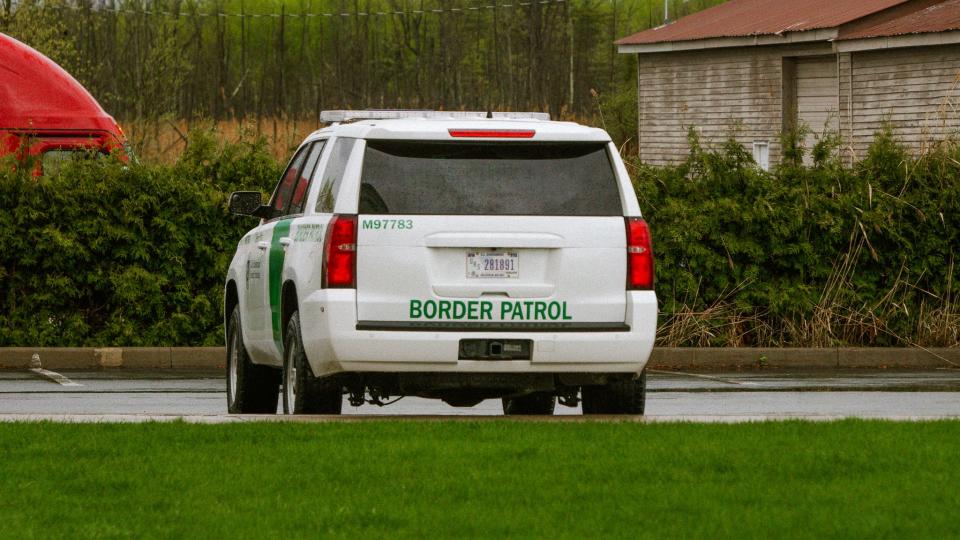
x: 806, y: 256
x: 108, y: 253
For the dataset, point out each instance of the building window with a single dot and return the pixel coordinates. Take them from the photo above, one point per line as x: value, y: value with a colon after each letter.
x: 761, y: 154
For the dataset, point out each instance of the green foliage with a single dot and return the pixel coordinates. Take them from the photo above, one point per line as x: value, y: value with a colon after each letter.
x: 821, y: 255
x: 618, y: 114
x: 109, y: 253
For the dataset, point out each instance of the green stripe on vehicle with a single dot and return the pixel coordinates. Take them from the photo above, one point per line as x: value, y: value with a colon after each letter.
x: 275, y: 275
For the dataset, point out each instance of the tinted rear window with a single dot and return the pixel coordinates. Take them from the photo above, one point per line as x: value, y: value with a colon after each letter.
x: 533, y: 179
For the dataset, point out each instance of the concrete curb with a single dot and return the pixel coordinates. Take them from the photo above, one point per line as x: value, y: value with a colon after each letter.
x: 706, y: 358
x: 115, y: 357
x: 665, y: 358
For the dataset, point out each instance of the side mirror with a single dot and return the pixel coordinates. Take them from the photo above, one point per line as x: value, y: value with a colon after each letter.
x: 248, y: 203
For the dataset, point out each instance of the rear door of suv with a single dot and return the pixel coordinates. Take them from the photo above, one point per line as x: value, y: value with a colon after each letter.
x: 500, y: 235
x: 264, y: 262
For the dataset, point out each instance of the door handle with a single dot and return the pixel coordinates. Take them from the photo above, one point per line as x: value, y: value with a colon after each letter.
x: 286, y: 241
x: 263, y: 245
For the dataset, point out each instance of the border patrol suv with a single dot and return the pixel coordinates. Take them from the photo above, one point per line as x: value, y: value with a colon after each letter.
x: 452, y: 255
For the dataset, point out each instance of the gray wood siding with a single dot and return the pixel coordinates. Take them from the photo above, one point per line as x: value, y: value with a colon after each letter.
x: 817, y: 99
x: 914, y: 89
x: 845, y: 87
x: 741, y: 92
x: 719, y: 93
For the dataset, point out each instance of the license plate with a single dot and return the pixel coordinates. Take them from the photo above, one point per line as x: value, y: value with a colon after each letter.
x: 488, y: 264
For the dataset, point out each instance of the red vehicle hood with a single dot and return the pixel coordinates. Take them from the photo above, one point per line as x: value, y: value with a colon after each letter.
x: 38, y: 95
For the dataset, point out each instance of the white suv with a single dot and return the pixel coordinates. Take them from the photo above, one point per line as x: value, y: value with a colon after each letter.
x: 460, y: 256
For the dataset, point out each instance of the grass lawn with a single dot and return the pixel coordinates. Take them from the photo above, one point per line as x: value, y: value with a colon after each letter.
x: 402, y: 479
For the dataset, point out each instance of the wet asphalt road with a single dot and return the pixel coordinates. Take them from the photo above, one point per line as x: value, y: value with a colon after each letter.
x: 672, y: 396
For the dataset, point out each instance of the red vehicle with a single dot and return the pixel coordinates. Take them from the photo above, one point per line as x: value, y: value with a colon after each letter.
x: 45, y: 112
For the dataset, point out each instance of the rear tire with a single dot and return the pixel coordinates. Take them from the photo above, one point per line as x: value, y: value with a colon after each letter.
x: 538, y: 403
x: 621, y: 396
x: 303, y: 393
x: 251, y: 388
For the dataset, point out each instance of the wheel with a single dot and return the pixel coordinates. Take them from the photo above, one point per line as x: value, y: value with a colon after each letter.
x: 620, y: 396
x: 251, y: 389
x: 538, y: 403
x: 303, y: 393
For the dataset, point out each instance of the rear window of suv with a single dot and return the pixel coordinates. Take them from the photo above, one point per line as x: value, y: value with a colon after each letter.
x: 531, y: 179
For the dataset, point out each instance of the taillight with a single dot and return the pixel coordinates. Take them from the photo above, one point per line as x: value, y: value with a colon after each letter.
x: 340, y: 253
x: 639, y: 255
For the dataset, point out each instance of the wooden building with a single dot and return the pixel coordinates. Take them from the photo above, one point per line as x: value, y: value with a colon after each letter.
x: 753, y: 68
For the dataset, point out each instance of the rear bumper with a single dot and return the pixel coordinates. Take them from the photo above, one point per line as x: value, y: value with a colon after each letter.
x: 334, y: 343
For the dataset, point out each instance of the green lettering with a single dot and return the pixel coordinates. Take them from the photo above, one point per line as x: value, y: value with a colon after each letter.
x: 540, y: 311
x: 429, y: 309
x: 553, y: 311
x: 444, y: 311
x: 565, y: 316
x: 367, y: 224
x: 485, y: 310
x: 517, y: 311
x: 415, y: 310
x: 472, y: 306
x: 505, y: 307
x: 459, y: 309
x: 528, y: 305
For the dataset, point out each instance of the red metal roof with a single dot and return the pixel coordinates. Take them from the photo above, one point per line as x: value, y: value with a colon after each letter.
x: 37, y: 94
x: 741, y: 18
x: 940, y: 17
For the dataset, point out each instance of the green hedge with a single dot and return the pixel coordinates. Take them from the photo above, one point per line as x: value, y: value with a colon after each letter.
x: 111, y: 254
x: 806, y: 256
x: 107, y: 253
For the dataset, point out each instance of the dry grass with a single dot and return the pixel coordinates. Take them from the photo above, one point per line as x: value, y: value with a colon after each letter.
x: 719, y: 323
x: 164, y: 140
x: 836, y: 319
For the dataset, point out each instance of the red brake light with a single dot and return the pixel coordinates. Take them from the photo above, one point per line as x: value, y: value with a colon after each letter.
x: 340, y: 253
x: 494, y: 133
x: 639, y: 255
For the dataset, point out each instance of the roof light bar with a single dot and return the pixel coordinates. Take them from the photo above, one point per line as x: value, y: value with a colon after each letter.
x: 494, y: 133
x: 330, y: 117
